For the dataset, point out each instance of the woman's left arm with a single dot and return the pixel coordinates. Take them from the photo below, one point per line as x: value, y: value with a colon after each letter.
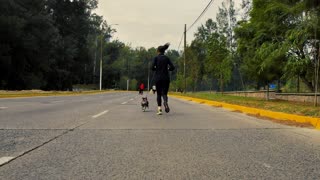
x: 171, y: 66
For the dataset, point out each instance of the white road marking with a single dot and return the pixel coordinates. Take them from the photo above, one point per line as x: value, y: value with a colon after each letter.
x: 124, y: 103
x: 4, y: 160
x: 100, y: 114
x: 266, y: 165
x: 3, y: 107
x: 131, y: 99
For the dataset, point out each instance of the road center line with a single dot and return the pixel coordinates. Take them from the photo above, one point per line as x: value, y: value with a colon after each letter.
x: 124, y: 103
x: 3, y: 107
x: 57, y: 101
x: 100, y: 114
x: 4, y: 160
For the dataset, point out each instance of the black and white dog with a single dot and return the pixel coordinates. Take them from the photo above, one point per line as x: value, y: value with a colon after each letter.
x: 144, y: 103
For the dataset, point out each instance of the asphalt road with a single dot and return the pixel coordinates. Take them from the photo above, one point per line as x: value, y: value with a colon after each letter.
x: 107, y: 136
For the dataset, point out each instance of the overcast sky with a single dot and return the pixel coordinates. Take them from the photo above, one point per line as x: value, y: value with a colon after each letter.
x: 150, y: 23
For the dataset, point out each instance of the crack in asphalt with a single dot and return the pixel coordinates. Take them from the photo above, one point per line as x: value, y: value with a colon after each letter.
x: 44, y: 143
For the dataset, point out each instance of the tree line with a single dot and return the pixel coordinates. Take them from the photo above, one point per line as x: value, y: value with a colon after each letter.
x: 57, y: 44
x: 265, y: 42
x: 45, y: 43
x: 122, y: 62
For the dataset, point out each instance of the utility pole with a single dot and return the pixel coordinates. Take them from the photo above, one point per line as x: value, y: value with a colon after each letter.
x: 95, y: 60
x: 184, y: 63
x: 316, y: 60
x: 128, y: 80
x: 101, y: 63
x: 317, y: 79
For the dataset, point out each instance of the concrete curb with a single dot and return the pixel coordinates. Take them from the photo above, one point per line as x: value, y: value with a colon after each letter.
x: 254, y: 111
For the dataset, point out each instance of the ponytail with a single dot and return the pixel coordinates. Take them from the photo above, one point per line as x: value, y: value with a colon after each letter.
x: 162, y: 49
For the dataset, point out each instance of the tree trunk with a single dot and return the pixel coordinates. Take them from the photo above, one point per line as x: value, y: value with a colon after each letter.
x: 221, y: 83
x: 298, y: 84
x: 309, y: 84
x: 268, y: 96
x: 212, y: 85
x: 278, y: 87
x: 258, y: 86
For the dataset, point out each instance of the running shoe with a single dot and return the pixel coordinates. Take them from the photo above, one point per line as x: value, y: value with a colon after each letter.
x: 159, y: 112
x: 166, y: 106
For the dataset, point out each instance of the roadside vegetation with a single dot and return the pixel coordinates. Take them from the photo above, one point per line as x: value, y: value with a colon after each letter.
x: 304, y: 109
x: 55, y: 45
x: 263, y: 44
x: 36, y: 93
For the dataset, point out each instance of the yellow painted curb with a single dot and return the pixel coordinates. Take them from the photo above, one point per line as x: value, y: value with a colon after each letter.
x: 56, y: 94
x: 254, y: 111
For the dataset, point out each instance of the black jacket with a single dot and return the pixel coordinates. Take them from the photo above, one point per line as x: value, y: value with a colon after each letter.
x: 162, y: 65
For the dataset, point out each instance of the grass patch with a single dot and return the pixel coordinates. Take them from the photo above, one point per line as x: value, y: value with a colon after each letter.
x: 35, y: 93
x: 298, y: 108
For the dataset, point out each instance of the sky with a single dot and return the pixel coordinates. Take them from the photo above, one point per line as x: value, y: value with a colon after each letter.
x: 150, y: 23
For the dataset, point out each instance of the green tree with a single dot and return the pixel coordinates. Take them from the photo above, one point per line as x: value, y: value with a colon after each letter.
x: 218, y: 60
x: 276, y: 42
x: 46, y: 44
x: 27, y: 43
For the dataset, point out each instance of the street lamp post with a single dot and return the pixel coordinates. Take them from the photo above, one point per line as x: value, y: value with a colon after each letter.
x: 100, y: 84
x: 149, y: 75
x: 184, y: 62
x: 101, y: 64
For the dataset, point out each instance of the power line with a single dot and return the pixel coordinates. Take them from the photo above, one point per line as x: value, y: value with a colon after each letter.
x: 180, y: 42
x: 203, y: 12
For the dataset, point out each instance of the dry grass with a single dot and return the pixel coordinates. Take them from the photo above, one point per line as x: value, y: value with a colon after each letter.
x: 304, y: 109
x: 35, y: 93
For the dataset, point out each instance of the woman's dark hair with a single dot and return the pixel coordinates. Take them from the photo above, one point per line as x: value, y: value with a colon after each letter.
x: 162, y: 49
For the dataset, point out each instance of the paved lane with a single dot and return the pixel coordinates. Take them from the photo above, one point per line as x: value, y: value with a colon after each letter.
x: 28, y: 123
x: 192, y: 142
x: 54, y: 112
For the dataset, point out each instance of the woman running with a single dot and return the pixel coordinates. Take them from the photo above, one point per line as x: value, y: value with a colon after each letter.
x: 162, y: 65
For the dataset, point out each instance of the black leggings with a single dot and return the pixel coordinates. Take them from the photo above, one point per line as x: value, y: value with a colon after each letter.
x: 140, y: 91
x: 162, y: 87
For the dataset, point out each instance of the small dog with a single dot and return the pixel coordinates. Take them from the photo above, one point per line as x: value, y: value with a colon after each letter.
x: 144, y: 103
